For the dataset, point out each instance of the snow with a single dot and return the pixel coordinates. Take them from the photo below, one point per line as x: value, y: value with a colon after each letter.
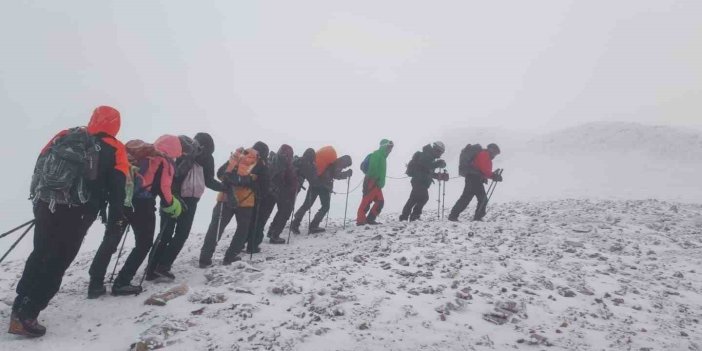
x: 566, y: 274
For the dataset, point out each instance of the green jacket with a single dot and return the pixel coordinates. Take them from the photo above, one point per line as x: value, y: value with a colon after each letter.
x: 377, y: 166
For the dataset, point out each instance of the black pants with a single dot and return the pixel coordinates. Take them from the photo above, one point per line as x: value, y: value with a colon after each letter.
x: 285, y: 209
x: 324, y: 197
x: 57, y: 239
x: 258, y: 222
x: 221, y: 216
x: 175, y: 234
x: 415, y: 204
x: 143, y: 222
x: 114, y: 230
x: 474, y: 187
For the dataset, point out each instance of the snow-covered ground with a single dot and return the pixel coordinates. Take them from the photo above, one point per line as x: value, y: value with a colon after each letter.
x: 569, y: 274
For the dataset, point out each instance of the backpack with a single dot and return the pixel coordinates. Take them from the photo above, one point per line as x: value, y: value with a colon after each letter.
x: 412, y: 165
x: 63, y: 171
x: 138, y: 150
x: 191, y: 150
x: 276, y: 168
x: 365, y: 164
x: 465, y: 159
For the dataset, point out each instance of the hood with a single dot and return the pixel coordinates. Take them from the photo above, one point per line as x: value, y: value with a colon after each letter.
x: 169, y: 145
x: 206, y: 142
x: 105, y: 119
x: 386, y: 145
x: 310, y: 155
x: 286, y: 153
x: 262, y: 149
x: 343, y: 162
x: 189, y: 147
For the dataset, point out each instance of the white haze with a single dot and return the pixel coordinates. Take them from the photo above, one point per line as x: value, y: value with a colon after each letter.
x: 311, y: 73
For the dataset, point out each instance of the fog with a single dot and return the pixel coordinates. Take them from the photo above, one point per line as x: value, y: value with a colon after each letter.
x: 312, y: 73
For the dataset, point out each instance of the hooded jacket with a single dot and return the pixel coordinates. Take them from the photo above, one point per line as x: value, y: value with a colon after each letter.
x: 202, y: 173
x: 283, y: 176
x: 238, y: 177
x: 307, y: 169
x: 113, y: 165
x: 156, y: 172
x: 336, y: 171
x: 425, y: 166
x: 377, y: 164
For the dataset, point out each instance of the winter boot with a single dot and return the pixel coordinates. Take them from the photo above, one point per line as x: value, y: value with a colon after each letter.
x: 29, y: 327
x: 205, y: 263
x: 277, y: 240
x: 96, y: 289
x: 453, y: 219
x: 253, y: 250
x: 228, y: 261
x: 403, y: 218
x: 163, y: 273
x: 295, y: 228
x: 316, y: 230
x: 122, y: 289
x: 372, y: 221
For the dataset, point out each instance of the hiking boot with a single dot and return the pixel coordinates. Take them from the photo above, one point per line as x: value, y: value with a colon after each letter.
x: 227, y: 261
x: 373, y: 222
x: 453, y: 219
x: 119, y: 289
x: 253, y: 251
x: 96, y: 290
x: 403, y: 218
x: 28, y: 327
x: 205, y: 263
x: 295, y: 228
x: 163, y: 273
x: 277, y: 241
x: 316, y: 230
x: 150, y: 276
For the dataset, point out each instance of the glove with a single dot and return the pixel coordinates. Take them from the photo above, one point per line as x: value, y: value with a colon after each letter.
x: 440, y: 164
x: 175, y: 209
x: 445, y: 177
x: 348, y: 173
x: 497, y: 177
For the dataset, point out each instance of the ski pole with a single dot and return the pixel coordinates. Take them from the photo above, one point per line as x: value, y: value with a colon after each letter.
x: 16, y: 229
x: 346, y: 207
x: 125, y: 234
x: 17, y: 241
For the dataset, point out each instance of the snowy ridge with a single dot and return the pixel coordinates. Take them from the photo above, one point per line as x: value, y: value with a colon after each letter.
x: 571, y: 274
x: 622, y: 137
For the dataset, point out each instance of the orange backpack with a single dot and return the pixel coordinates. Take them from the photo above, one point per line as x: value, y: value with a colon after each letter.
x: 325, y: 157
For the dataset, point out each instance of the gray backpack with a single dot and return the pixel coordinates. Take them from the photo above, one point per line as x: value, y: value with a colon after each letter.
x: 62, y: 173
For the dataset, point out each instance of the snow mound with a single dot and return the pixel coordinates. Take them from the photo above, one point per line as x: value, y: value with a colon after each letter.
x: 571, y: 274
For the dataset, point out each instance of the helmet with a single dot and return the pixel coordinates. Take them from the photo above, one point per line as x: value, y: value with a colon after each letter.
x: 439, y: 146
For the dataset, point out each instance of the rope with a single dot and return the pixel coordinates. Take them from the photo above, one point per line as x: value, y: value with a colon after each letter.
x: 352, y: 190
x: 405, y: 177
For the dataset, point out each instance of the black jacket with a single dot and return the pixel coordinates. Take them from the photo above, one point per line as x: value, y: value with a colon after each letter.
x: 425, y: 165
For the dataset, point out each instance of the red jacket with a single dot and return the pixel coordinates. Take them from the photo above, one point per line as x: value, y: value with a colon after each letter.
x: 483, y: 163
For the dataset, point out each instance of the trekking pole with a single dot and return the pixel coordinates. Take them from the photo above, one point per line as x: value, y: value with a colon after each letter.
x: 18, y: 240
x: 154, y: 247
x: 15, y: 229
x: 346, y: 208
x: 253, y: 232
x: 443, y: 197
x: 438, y: 202
x: 219, y: 222
x: 491, y: 190
x: 292, y: 217
x: 125, y: 234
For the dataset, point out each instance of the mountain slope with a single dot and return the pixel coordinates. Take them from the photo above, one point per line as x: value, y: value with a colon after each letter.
x: 576, y: 275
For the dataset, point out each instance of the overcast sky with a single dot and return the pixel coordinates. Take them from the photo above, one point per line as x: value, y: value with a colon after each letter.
x: 345, y: 72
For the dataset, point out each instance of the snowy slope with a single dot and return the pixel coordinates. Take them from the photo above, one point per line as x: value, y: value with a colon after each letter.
x: 572, y: 274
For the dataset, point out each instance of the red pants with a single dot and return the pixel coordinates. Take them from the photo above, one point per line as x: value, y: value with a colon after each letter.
x: 371, y: 195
